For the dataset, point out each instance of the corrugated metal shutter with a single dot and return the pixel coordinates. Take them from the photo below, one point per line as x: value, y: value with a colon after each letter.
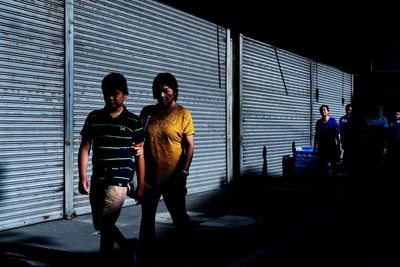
x: 140, y: 39
x: 31, y: 112
x: 271, y: 117
x: 335, y: 89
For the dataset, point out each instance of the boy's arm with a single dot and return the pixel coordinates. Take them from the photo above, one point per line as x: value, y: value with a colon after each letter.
x: 83, y: 159
x: 140, y: 170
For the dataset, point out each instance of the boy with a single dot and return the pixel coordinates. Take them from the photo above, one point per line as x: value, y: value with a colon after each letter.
x: 111, y: 131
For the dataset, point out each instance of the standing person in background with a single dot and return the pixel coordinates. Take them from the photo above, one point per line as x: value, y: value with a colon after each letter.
x: 326, y: 142
x: 169, y: 149
x: 375, y: 132
x: 111, y: 131
x: 345, y: 138
x: 373, y: 137
x: 394, y: 142
x: 344, y: 119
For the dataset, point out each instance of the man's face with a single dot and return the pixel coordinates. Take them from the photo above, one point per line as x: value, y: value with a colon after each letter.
x: 349, y: 110
x: 324, y: 111
x: 397, y: 115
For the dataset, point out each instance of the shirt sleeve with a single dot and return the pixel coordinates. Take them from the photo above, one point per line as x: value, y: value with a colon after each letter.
x: 188, y: 126
x: 138, y: 136
x: 138, y: 131
x: 86, y: 129
x: 385, y: 122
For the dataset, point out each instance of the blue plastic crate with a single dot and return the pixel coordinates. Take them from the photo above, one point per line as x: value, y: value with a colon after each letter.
x: 306, y: 160
x: 304, y: 151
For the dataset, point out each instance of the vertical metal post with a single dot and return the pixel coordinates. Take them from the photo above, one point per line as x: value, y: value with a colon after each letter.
x: 311, y: 100
x: 237, y: 105
x: 68, y: 110
x: 229, y: 108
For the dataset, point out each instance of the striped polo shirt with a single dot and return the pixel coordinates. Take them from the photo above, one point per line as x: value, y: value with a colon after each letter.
x: 113, y: 160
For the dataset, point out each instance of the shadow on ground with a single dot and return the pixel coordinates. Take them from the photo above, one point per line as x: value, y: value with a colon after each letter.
x: 341, y: 221
x: 30, y: 255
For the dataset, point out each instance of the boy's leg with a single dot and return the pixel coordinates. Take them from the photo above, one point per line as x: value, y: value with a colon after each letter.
x: 97, y: 202
x: 114, y: 199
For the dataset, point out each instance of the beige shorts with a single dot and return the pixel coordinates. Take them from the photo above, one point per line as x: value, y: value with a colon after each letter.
x: 106, y: 203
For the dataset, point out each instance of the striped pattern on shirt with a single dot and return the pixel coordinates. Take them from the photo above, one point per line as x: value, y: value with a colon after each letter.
x: 113, y: 161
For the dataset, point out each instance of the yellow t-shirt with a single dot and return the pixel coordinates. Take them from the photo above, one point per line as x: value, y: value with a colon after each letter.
x: 163, y: 142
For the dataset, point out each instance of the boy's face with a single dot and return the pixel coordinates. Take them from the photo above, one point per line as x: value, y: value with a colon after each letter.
x: 114, y: 99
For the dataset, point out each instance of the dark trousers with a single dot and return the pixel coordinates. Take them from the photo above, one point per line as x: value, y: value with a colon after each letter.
x: 174, y: 196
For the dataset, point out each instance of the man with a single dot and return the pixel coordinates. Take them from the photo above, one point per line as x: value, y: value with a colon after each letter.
x: 344, y: 131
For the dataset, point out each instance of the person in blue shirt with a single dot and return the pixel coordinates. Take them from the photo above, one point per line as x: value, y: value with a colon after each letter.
x: 375, y: 138
x: 111, y: 132
x: 326, y: 142
x: 345, y: 118
x: 394, y: 140
x: 345, y: 135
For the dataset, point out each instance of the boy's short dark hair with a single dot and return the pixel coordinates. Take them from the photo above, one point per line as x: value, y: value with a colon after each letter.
x: 114, y: 81
x: 169, y: 80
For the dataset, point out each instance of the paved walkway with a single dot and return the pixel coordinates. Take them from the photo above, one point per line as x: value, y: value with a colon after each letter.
x: 258, y: 222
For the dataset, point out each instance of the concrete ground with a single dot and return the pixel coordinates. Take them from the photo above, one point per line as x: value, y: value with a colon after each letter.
x: 258, y: 221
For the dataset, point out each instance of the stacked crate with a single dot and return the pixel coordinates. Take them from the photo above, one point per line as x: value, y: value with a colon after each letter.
x: 305, y: 161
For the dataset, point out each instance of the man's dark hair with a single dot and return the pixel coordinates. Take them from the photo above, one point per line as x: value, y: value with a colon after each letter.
x: 169, y: 80
x: 114, y: 81
x: 324, y: 106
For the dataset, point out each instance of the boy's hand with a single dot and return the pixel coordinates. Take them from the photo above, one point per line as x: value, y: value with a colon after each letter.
x: 84, y: 186
x: 137, y: 149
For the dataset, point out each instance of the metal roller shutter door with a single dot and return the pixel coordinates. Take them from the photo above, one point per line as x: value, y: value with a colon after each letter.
x: 31, y: 112
x: 271, y: 117
x: 140, y: 39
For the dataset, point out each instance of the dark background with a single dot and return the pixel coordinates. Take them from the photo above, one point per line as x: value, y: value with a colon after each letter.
x: 361, y: 38
x: 343, y: 34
